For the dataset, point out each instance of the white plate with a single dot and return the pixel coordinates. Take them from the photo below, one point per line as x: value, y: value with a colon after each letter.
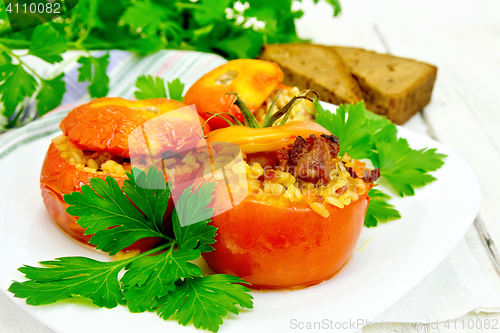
x: 396, y: 257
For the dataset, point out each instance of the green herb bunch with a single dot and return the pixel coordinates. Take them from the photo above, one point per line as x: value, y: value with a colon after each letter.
x: 230, y: 28
x: 366, y: 135
x: 164, y: 279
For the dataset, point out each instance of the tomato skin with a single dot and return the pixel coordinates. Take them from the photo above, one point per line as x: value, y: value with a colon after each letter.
x: 59, y: 177
x: 278, y: 245
x: 255, y: 81
x: 273, y: 243
x: 255, y: 140
x: 105, y: 124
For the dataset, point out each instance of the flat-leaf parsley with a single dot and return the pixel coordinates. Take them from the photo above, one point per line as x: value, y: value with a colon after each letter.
x: 365, y: 135
x: 162, y: 279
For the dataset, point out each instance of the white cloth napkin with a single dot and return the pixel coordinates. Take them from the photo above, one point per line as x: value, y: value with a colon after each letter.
x: 453, y: 289
x: 13, y: 319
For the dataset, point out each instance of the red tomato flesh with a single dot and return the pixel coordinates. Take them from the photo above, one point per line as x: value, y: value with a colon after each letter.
x: 280, y: 245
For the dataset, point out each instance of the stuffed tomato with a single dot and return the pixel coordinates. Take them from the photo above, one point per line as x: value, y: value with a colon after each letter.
x: 258, y: 84
x: 303, y: 212
x: 276, y: 244
x: 95, y: 143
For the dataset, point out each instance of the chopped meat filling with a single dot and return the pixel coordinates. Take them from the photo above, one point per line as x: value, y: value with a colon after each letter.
x: 310, y: 159
x: 369, y: 176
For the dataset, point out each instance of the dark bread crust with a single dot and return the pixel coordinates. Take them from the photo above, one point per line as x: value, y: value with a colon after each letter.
x: 315, y: 67
x: 391, y: 86
x: 395, y: 87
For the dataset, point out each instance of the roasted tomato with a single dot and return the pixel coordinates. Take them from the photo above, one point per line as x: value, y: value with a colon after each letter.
x: 252, y: 80
x: 105, y: 124
x: 95, y: 144
x: 59, y: 177
x: 279, y: 244
x: 303, y: 211
x: 254, y: 140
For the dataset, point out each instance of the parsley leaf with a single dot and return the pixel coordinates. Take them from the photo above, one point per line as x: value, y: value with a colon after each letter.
x: 143, y: 299
x: 175, y: 89
x: 4, y: 59
x: 148, y: 26
x: 190, y: 221
x: 157, y: 280
x: 85, y: 71
x: 150, y: 278
x: 363, y: 134
x: 379, y: 210
x: 150, y: 87
x: 94, y: 70
x: 406, y: 168
x: 105, y: 210
x: 348, y: 124
x: 68, y: 277
x: 380, y: 127
x: 149, y: 193
x: 211, y: 10
x: 51, y: 94
x: 366, y: 135
x: 17, y: 85
x: 158, y: 266
x: 47, y: 44
x: 197, y: 209
x: 245, y: 45
x: 145, y: 17
x: 145, y: 287
x: 336, y: 6
x: 205, y: 300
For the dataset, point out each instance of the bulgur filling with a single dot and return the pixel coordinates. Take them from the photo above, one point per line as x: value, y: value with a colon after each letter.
x: 288, y: 173
x: 189, y: 164
x: 96, y: 162
x: 104, y: 162
x: 341, y: 190
x: 302, y: 110
x: 274, y: 176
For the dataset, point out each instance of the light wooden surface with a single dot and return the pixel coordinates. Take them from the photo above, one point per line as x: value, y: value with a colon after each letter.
x: 463, y: 40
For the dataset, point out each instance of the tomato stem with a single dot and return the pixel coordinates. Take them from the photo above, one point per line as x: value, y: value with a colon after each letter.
x: 285, y: 111
x: 219, y: 114
x: 250, y: 119
x: 270, y: 118
x: 270, y: 111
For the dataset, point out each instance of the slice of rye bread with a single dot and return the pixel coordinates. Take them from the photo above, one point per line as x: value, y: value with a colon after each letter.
x: 395, y: 87
x: 315, y: 67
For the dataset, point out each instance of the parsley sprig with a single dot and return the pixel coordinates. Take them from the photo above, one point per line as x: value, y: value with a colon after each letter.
x: 231, y: 28
x: 154, y: 87
x: 379, y: 210
x: 162, y: 279
x: 365, y: 135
